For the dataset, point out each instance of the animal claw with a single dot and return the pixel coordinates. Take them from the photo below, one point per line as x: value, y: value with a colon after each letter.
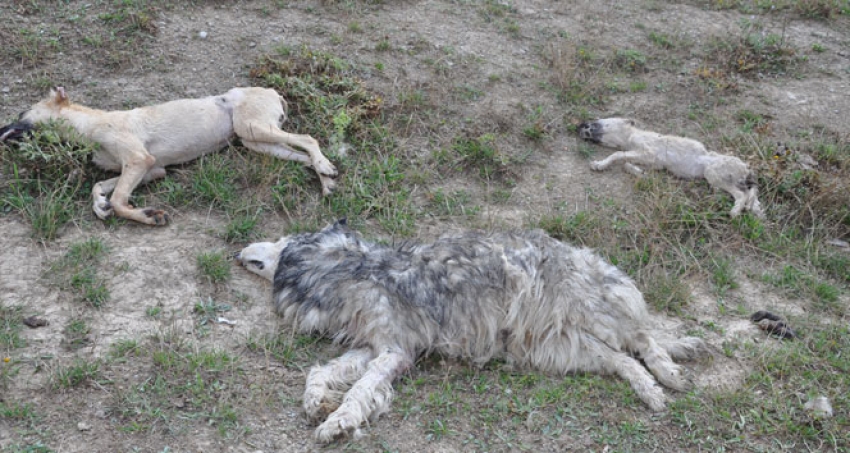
x: 159, y: 217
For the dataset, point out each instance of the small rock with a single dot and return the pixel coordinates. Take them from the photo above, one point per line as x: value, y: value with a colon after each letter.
x: 5, y: 89
x: 202, y: 35
x: 252, y: 44
x: 34, y: 322
x: 83, y: 426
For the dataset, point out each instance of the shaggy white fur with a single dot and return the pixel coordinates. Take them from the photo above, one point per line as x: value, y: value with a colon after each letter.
x: 684, y: 157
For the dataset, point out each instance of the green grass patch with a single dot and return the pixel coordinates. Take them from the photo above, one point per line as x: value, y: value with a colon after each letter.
x: 78, y: 373
x: 49, y: 178
x: 182, y: 385
x: 213, y: 266
x: 754, y: 52
x: 79, y: 272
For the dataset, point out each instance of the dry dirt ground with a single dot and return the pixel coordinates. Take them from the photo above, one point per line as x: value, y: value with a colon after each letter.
x: 478, y: 62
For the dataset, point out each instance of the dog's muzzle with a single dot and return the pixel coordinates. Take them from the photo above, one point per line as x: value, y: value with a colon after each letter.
x: 590, y: 131
x: 14, y: 131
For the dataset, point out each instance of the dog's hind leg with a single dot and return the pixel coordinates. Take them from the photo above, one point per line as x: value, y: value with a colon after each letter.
x: 367, y: 399
x: 284, y: 152
x: 258, y: 131
x: 729, y: 175
x: 100, y: 203
x: 327, y: 384
x: 659, y: 362
x: 598, y: 356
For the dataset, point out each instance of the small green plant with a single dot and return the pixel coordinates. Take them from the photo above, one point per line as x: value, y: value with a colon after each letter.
x: 242, y: 227
x: 208, y: 311
x: 819, y: 48
x: 10, y: 328
x: 78, y: 272
x: 722, y: 276
x: 451, y: 204
x: 630, y: 60
x: 123, y: 348
x: 77, y: 374
x: 76, y: 333
x: 213, y: 266
x: 383, y: 45
x: 661, y: 40
x: 478, y: 153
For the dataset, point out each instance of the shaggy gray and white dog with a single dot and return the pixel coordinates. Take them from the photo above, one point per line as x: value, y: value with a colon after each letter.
x: 524, y: 297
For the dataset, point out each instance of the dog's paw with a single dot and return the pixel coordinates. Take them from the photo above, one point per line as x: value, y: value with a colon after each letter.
x: 655, y: 399
x: 103, y: 209
x: 156, y: 217
x: 324, y: 166
x: 675, y: 378
x: 335, y: 427
x: 328, y: 186
x: 597, y: 165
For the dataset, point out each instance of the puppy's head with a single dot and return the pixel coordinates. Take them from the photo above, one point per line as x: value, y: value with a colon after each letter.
x: 261, y: 258
x: 610, y: 132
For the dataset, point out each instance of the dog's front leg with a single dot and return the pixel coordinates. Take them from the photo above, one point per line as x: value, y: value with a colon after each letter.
x: 367, y: 399
x: 100, y: 192
x: 640, y: 157
x: 100, y: 203
x: 326, y: 384
x: 134, y: 170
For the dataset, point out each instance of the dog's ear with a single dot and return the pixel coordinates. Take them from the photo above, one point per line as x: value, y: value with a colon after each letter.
x: 59, y: 95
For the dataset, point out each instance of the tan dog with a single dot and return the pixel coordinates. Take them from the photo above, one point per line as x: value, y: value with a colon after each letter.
x: 140, y: 143
x: 681, y: 156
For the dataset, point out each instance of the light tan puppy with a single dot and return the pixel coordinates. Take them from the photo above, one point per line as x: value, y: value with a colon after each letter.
x: 140, y: 143
x: 681, y: 156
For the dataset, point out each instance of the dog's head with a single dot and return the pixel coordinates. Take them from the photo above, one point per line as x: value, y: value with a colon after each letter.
x: 45, y: 110
x: 48, y: 108
x: 262, y: 258
x: 610, y: 132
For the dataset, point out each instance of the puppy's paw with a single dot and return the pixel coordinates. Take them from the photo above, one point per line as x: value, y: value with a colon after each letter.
x: 597, y: 165
x: 156, y: 217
